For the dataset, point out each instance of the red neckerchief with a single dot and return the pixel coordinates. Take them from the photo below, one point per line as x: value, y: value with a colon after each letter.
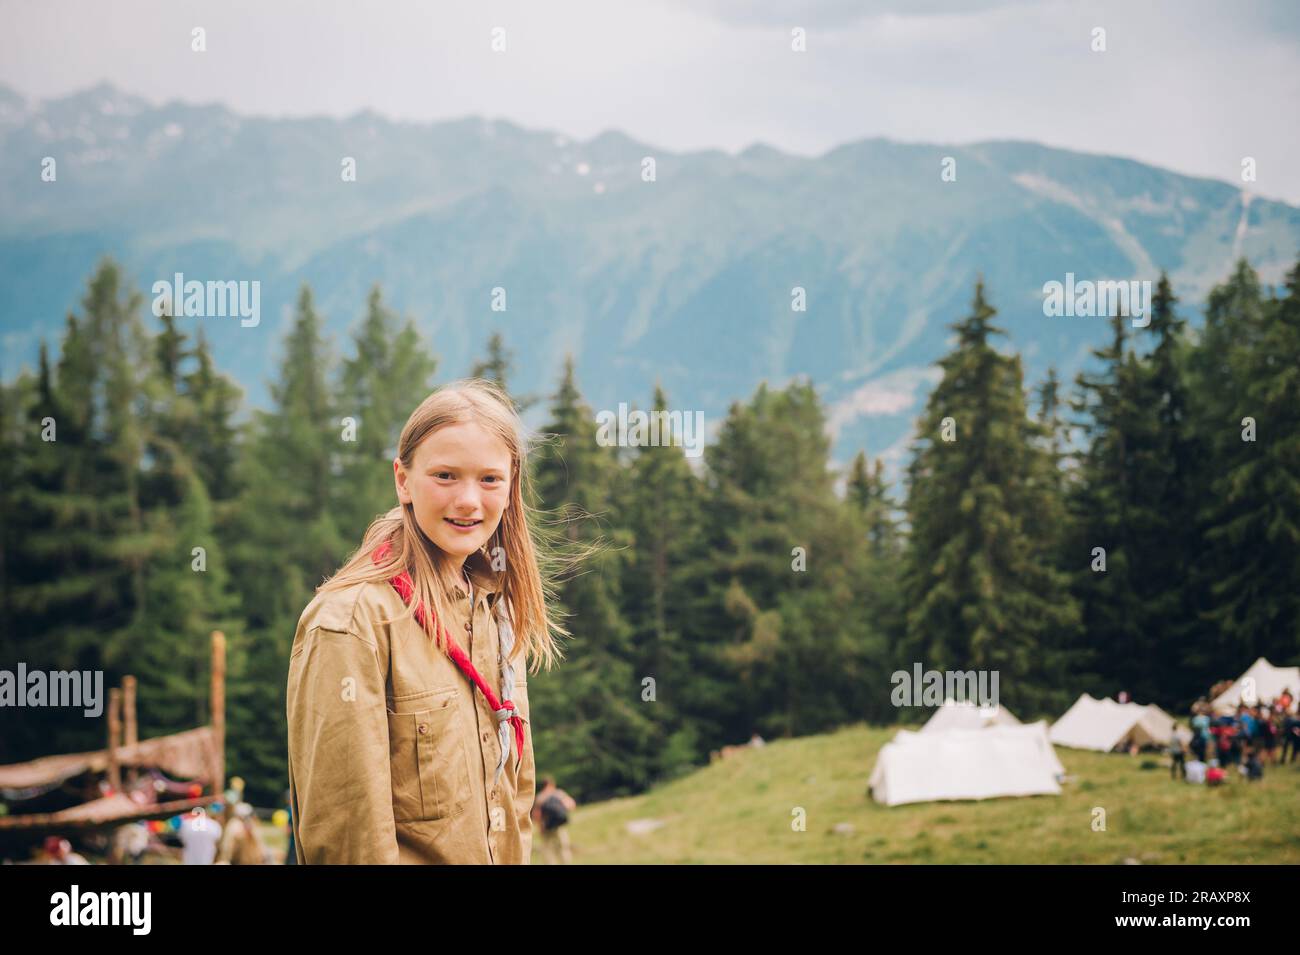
x: 402, y: 584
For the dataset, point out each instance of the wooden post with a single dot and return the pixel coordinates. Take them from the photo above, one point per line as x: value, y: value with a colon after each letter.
x: 128, y: 718
x: 218, y: 710
x: 128, y: 711
x: 114, y: 737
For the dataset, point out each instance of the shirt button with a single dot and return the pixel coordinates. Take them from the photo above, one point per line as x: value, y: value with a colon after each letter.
x: 424, y: 727
x: 468, y: 626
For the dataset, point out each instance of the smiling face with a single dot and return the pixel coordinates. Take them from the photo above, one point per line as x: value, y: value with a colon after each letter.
x: 459, y: 486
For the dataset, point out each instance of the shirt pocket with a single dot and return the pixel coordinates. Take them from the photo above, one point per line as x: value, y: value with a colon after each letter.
x: 427, y: 757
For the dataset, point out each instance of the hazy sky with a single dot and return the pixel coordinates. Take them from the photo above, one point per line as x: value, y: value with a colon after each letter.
x: 1191, y: 86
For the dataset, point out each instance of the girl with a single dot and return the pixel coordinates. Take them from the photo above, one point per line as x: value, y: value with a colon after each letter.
x: 409, y: 739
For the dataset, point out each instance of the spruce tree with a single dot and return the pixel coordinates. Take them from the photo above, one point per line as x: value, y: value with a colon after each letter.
x: 791, y: 643
x: 867, y: 490
x: 211, y: 438
x: 386, y: 378
x: 600, y: 736
x: 1163, y: 481
x: 1219, y: 367
x: 188, y: 592
x: 981, y: 590
x: 287, y: 540
x: 661, y: 508
x: 1117, y: 652
x: 878, y: 592
x: 497, y: 367
x: 1255, y: 509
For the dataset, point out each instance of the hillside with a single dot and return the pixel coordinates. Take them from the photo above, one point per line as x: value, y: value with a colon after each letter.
x: 739, y: 811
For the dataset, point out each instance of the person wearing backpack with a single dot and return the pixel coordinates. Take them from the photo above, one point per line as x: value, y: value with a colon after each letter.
x: 551, y: 813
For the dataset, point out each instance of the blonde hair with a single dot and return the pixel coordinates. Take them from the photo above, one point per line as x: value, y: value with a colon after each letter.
x: 523, y: 588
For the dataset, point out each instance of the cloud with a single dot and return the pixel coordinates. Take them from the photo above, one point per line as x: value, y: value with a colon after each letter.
x: 837, y: 13
x: 888, y: 395
x: 920, y: 71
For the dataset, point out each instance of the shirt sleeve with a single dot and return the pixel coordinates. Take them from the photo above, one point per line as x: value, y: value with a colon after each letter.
x: 338, y: 751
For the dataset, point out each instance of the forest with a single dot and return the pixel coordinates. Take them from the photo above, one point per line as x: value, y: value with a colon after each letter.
x: 1136, y: 529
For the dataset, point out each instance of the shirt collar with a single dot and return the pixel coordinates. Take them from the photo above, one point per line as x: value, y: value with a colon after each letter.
x: 485, y: 579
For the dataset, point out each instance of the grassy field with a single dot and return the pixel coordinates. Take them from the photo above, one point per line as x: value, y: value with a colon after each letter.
x: 739, y: 811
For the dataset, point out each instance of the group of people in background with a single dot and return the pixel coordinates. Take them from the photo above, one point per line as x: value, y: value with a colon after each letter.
x: 234, y: 838
x: 204, y: 840
x: 1255, y: 736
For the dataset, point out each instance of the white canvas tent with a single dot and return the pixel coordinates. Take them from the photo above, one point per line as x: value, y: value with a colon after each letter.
x: 966, y: 764
x: 967, y: 715
x: 1104, y: 724
x: 1263, y: 682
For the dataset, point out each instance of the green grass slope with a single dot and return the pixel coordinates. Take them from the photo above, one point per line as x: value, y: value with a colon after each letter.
x: 741, y: 811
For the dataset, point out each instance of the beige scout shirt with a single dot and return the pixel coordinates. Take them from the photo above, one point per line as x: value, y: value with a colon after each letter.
x: 392, y: 750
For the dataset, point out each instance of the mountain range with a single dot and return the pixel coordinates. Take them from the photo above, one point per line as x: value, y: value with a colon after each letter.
x: 686, y: 278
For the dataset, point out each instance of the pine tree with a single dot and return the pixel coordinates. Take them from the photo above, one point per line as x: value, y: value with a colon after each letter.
x: 381, y: 384
x: 982, y: 591
x: 188, y: 592
x: 497, y: 368
x: 287, y: 541
x: 879, y: 590
x: 40, y: 593
x: 661, y: 508
x: 1109, y: 524
x: 600, y: 736
x: 1166, y: 509
x: 867, y: 490
x: 1218, y: 367
x: 792, y: 645
x: 1255, y: 509
x: 1055, y: 430
x: 103, y: 582
x: 211, y: 438
x: 19, y: 576
x: 16, y: 442
x: 84, y: 569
